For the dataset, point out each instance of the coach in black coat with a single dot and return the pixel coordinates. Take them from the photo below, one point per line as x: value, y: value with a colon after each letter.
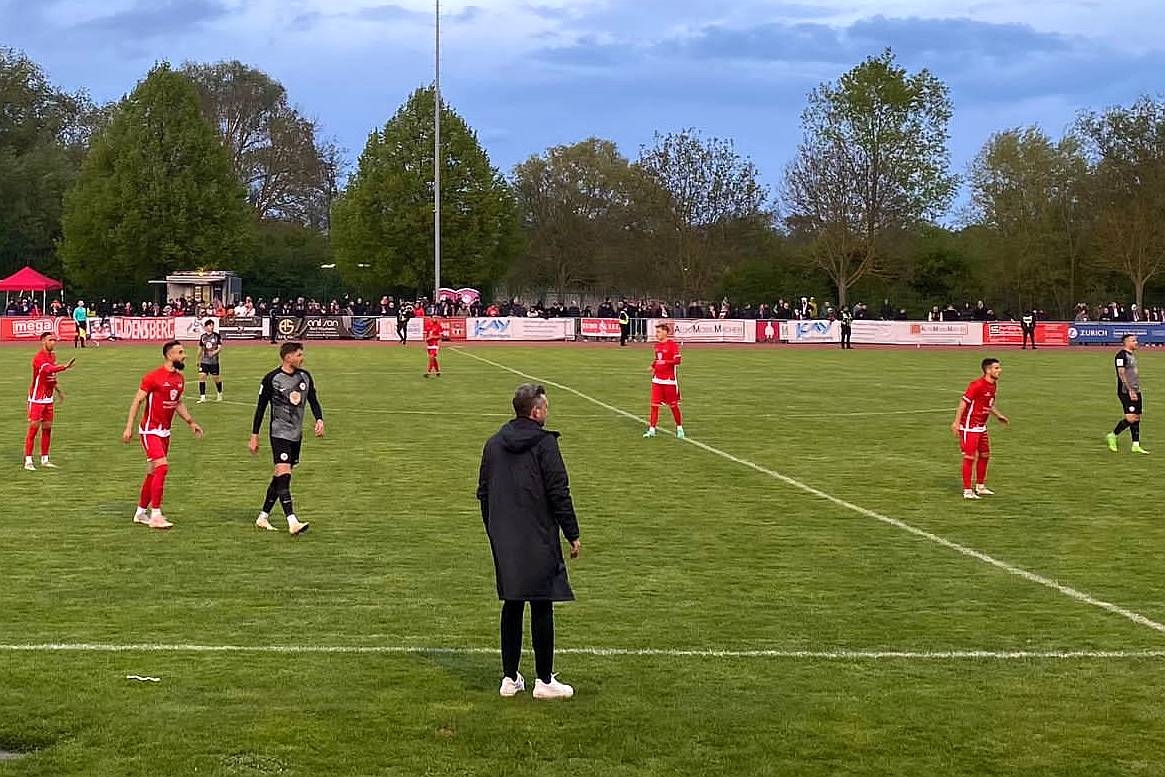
x: 525, y: 501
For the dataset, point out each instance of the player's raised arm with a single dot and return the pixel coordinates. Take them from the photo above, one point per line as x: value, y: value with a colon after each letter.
x: 134, y: 407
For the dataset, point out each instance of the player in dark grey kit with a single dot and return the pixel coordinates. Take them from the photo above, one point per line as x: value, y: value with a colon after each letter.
x: 286, y: 390
x: 1128, y: 392
x: 209, y: 347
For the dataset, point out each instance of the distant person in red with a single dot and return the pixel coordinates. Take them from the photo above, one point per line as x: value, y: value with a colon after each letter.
x: 42, y: 393
x: 433, y: 344
x: 665, y: 388
x: 970, y: 428
x: 161, y: 390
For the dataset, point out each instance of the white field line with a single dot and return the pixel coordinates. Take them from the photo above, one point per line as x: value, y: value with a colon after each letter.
x: 837, y: 654
x: 456, y: 413
x: 969, y: 552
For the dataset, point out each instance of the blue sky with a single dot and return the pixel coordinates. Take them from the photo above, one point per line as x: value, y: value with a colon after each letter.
x: 528, y: 74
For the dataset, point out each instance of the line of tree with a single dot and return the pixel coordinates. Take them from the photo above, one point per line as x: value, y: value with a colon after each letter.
x: 212, y: 165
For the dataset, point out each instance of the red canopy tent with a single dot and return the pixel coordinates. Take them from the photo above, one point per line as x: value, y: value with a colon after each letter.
x: 29, y: 279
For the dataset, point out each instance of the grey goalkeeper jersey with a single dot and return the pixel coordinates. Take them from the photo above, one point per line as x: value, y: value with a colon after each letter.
x: 287, y: 395
x: 1128, y: 360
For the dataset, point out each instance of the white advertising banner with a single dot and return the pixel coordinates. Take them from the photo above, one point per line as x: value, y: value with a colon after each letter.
x: 142, y: 328
x: 190, y: 328
x: 519, y: 329
x: 812, y: 332
x: 386, y: 330
x: 706, y: 330
x: 918, y: 332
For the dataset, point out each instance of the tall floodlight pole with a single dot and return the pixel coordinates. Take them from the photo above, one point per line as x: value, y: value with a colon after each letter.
x: 437, y: 156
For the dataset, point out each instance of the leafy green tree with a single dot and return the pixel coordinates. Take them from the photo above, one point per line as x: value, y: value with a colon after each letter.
x: 873, y: 162
x: 712, y: 205
x: 582, y: 209
x: 289, y: 171
x: 1027, y: 189
x: 382, y: 225
x: 1126, y: 191
x: 43, y: 132
x: 156, y: 193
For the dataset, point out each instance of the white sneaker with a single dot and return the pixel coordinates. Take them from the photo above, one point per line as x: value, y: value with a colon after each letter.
x: 262, y: 523
x: 983, y: 490
x: 28, y: 465
x: 202, y: 400
x: 512, y: 687
x: 141, y: 516
x: 969, y: 494
x: 552, y: 689
x: 218, y: 398
x: 296, y: 527
x: 44, y: 462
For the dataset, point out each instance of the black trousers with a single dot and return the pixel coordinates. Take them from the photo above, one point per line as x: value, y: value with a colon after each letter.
x: 1028, y: 335
x: 624, y: 333
x: 846, y: 336
x: 541, y: 635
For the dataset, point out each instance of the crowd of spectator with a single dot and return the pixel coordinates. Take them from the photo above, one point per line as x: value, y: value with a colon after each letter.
x: 802, y: 308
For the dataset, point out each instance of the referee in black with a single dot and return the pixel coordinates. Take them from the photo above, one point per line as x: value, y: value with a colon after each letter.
x: 1028, y: 324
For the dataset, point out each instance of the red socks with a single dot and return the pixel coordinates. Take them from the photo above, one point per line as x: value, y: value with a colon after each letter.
x: 654, y: 419
x: 675, y: 413
x: 46, y: 436
x: 967, y: 473
x: 981, y: 470
x: 159, y: 486
x: 28, y: 440
x: 147, y: 491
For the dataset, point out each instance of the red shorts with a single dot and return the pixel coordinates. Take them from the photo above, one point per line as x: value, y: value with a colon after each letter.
x: 665, y: 394
x: 155, y: 447
x: 40, y: 412
x: 975, y: 442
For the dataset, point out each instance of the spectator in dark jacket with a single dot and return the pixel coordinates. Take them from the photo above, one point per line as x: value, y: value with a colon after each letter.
x: 525, y: 501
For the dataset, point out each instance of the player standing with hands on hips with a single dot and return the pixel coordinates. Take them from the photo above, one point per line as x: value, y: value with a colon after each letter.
x: 286, y: 390
x: 1128, y: 391
x: 970, y: 428
x: 665, y: 386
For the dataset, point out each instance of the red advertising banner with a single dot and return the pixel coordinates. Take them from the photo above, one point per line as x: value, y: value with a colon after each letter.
x: 598, y: 327
x: 1048, y: 333
x: 24, y: 328
x: 768, y: 331
x: 143, y: 328
x: 454, y: 329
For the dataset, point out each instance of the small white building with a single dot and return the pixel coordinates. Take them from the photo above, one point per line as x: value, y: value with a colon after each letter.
x: 204, y: 286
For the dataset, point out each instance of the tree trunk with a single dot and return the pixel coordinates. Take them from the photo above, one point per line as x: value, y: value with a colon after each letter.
x: 1139, y: 286
x: 842, y: 288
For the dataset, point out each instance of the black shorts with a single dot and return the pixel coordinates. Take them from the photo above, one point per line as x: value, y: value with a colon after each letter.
x: 1130, y: 406
x: 285, y: 451
x: 208, y: 369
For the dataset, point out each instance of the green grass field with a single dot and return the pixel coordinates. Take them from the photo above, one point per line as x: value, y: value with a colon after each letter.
x: 685, y: 552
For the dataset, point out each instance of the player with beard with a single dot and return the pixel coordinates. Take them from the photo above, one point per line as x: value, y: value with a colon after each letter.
x: 161, y: 391
x: 41, y: 394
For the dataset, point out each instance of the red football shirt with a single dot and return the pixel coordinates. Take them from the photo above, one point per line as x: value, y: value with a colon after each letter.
x: 977, y: 403
x: 432, y: 331
x: 163, y: 393
x: 667, y: 357
x: 44, y: 378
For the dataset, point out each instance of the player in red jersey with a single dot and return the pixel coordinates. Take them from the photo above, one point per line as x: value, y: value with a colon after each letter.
x: 433, y: 330
x: 42, y: 393
x: 161, y: 390
x: 970, y: 428
x: 665, y: 388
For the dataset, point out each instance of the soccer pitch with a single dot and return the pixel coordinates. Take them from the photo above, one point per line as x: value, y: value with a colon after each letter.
x: 797, y: 590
